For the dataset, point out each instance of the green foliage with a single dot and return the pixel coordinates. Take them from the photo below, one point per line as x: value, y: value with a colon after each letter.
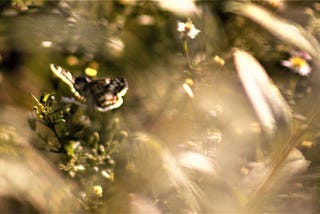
x: 88, y: 150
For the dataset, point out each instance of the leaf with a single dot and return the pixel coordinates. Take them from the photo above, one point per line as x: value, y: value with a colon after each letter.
x: 270, y: 107
x: 283, y: 29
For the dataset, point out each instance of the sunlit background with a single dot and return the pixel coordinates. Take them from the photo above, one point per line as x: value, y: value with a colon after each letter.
x: 220, y: 115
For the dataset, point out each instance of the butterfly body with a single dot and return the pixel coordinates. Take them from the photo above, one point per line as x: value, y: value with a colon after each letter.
x: 102, y: 93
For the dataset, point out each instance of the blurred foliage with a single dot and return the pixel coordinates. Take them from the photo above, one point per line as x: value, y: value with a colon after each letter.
x: 23, y: 170
x: 204, y: 128
x: 87, y: 143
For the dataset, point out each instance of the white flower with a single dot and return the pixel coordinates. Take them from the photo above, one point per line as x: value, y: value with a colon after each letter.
x: 188, y: 28
x: 299, y: 63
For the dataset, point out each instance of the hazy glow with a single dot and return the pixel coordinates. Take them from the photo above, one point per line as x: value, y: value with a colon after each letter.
x: 198, y: 162
x: 46, y: 44
x: 179, y: 7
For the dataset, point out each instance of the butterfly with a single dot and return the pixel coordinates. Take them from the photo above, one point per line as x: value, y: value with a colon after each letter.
x: 102, y: 93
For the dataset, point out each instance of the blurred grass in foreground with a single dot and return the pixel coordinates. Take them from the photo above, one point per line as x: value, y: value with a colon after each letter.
x: 211, y: 122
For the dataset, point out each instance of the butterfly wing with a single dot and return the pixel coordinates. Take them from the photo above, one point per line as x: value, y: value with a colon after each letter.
x: 105, y: 94
x: 108, y: 92
x: 67, y: 78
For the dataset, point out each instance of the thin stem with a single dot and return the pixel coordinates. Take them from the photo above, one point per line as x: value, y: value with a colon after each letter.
x: 279, y: 163
x: 54, y: 130
x: 186, y: 52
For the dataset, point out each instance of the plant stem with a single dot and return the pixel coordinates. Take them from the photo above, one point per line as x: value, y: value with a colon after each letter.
x: 186, y: 52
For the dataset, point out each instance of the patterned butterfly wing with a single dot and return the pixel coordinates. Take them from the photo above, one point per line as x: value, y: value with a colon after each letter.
x: 103, y: 94
x: 67, y: 78
x: 107, y: 93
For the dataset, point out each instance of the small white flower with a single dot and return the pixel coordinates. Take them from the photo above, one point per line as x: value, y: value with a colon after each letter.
x: 188, y: 28
x: 299, y: 63
x: 181, y: 26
